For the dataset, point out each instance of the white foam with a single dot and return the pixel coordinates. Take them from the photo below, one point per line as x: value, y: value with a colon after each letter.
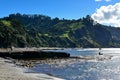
x: 115, y: 58
x: 41, y: 76
x: 87, y: 49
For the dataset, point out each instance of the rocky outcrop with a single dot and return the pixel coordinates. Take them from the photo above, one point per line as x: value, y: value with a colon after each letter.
x: 34, y: 54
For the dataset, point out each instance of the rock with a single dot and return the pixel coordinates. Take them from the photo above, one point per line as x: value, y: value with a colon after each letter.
x: 34, y: 54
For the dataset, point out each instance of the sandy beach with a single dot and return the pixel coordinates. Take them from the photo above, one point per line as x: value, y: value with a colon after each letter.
x: 9, y: 71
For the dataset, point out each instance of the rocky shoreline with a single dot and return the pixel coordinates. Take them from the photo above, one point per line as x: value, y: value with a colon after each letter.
x: 9, y: 71
x: 31, y: 53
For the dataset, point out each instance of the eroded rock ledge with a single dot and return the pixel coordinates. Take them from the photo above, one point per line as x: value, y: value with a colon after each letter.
x: 34, y: 54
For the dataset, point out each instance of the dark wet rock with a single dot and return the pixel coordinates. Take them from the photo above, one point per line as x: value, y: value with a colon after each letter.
x: 34, y: 54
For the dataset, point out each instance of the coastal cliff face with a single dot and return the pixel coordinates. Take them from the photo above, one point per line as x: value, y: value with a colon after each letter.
x: 12, y: 33
x: 42, y: 31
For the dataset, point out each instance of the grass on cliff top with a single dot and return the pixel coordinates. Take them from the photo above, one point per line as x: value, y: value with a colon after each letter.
x: 6, y: 23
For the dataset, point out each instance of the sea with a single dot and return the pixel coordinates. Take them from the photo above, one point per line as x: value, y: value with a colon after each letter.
x: 90, y: 65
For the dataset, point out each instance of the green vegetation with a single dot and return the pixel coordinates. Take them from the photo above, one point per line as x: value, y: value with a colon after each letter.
x: 6, y: 23
x: 41, y: 31
x: 12, y: 33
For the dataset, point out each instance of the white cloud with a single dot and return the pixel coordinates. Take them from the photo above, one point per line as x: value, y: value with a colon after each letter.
x: 109, y: 15
x: 107, y: 0
x: 98, y: 0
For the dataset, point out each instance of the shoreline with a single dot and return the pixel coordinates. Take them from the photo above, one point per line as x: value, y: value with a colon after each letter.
x: 29, y: 53
x: 9, y: 71
x: 14, y: 49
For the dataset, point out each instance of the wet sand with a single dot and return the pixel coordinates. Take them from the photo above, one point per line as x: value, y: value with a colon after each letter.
x: 9, y: 71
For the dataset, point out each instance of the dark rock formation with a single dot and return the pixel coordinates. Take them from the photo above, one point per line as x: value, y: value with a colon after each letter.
x: 34, y: 55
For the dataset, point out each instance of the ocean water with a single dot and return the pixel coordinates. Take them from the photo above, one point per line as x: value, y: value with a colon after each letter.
x: 98, y: 67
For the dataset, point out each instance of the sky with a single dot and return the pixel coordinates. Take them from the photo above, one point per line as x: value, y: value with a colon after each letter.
x: 103, y: 11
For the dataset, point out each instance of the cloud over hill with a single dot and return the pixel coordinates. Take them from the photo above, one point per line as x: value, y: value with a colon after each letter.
x: 109, y: 15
